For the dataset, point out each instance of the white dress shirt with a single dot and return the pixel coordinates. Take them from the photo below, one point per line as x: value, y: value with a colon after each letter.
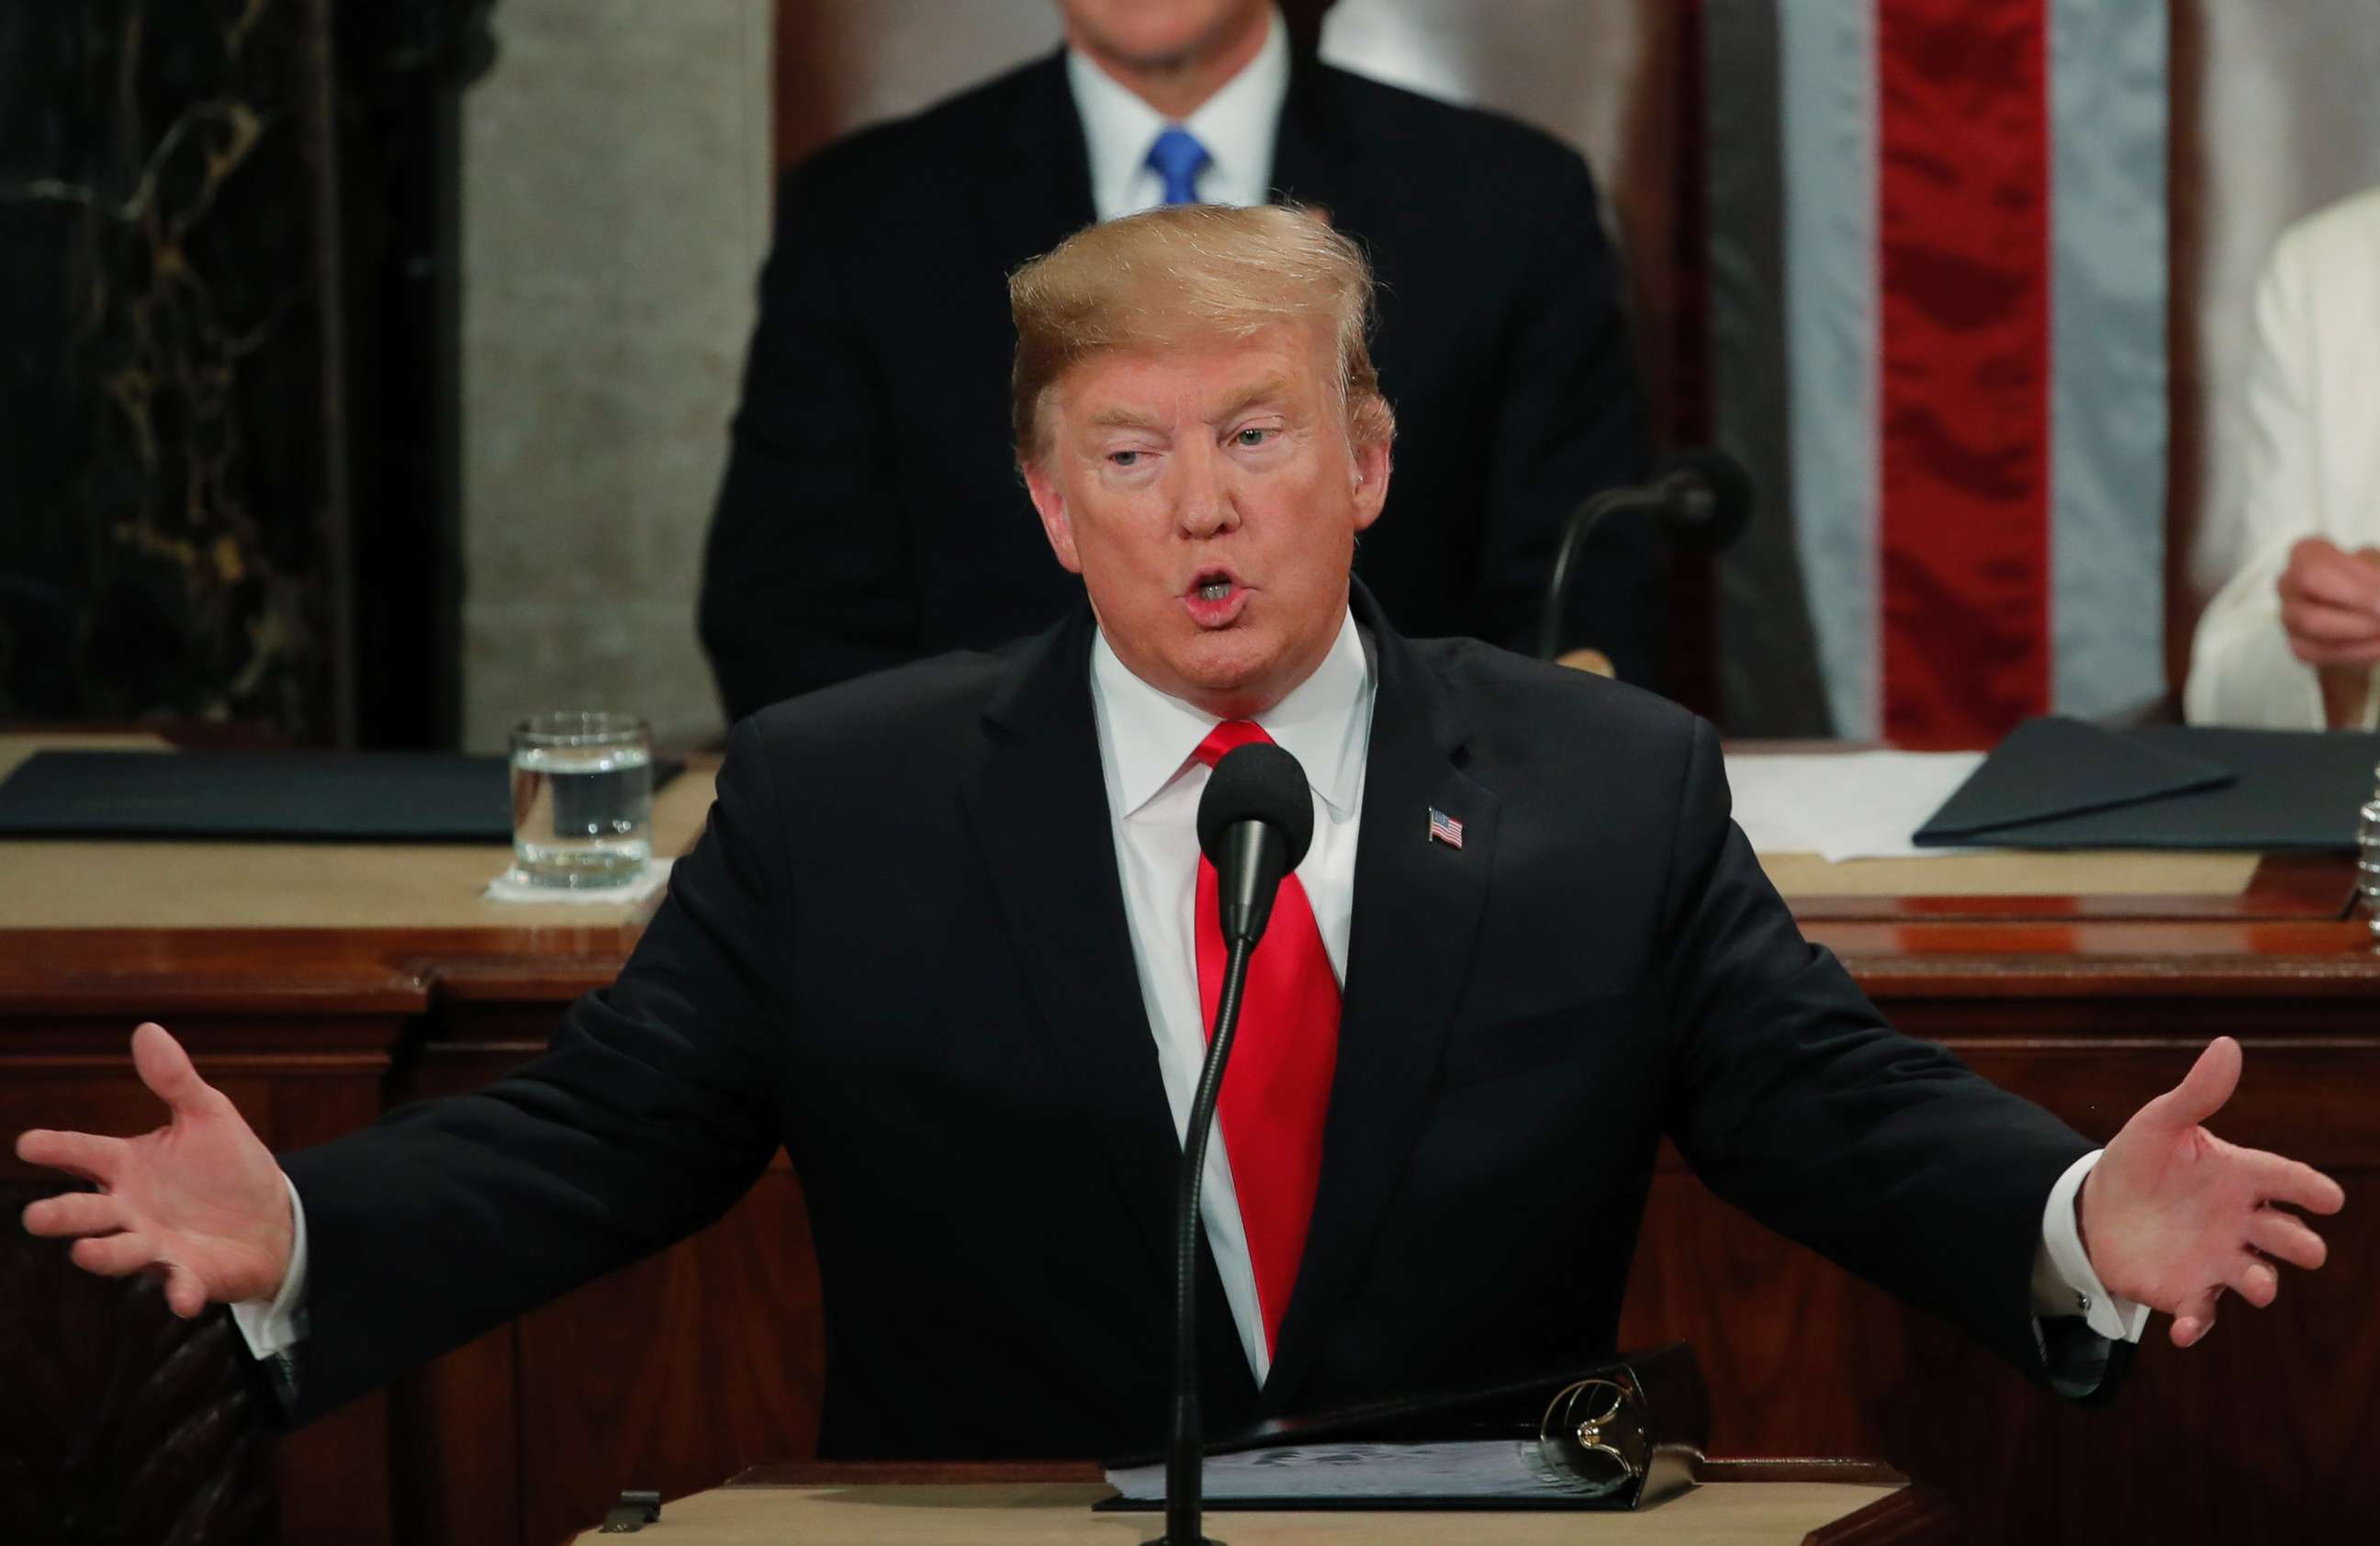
x: 1236, y: 125
x: 1146, y: 744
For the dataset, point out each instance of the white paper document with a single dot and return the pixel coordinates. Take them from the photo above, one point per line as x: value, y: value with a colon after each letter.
x: 1465, y: 1469
x: 1846, y: 805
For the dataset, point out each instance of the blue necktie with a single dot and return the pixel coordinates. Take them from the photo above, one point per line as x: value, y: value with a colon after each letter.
x: 1179, y: 158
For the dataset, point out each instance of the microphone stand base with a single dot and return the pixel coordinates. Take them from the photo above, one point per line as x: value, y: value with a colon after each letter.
x: 1169, y: 1541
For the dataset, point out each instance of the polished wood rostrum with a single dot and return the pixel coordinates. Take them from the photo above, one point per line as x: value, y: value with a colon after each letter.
x: 120, y: 1423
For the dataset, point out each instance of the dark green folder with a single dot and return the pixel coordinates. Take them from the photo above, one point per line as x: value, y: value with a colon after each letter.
x: 353, y: 796
x: 2061, y: 783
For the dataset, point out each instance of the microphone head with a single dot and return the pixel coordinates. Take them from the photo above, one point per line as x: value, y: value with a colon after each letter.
x: 1256, y: 782
x: 1713, y: 502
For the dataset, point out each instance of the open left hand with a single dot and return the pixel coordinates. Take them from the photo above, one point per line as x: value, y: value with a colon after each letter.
x: 200, y: 1202
x: 2172, y: 1215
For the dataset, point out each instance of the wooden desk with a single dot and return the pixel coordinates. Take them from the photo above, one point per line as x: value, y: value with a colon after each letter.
x: 1814, y: 1503
x: 676, y: 1372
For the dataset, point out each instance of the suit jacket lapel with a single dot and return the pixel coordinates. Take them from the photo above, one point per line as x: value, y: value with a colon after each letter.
x: 1311, y: 161
x: 1039, y: 806
x: 1041, y: 192
x: 1417, y: 908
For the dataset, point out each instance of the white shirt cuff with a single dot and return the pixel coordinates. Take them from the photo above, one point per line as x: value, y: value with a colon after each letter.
x: 272, y: 1326
x: 2063, y: 1281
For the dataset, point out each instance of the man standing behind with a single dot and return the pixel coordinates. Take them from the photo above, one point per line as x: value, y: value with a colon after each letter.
x: 872, y: 513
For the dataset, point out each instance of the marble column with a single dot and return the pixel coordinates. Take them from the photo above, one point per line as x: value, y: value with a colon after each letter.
x: 166, y: 492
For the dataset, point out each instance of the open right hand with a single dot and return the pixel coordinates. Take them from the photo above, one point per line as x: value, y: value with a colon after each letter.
x: 2330, y: 608
x: 199, y: 1202
x: 2330, y: 604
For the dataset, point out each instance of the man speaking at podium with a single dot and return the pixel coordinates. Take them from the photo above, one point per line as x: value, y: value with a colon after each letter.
x: 944, y: 940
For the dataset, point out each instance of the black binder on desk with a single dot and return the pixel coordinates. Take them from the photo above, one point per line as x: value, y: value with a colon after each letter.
x: 2059, y: 783
x: 1625, y: 1434
x: 349, y: 796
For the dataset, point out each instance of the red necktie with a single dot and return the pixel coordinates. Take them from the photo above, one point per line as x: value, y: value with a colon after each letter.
x: 1277, y: 1089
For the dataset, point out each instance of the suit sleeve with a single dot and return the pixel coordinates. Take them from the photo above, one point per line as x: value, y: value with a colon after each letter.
x: 1570, y: 424
x: 1793, y: 1100
x: 807, y: 578
x: 2241, y: 669
x: 649, y: 1114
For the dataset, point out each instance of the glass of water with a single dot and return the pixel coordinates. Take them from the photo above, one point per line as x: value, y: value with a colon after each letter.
x: 582, y: 799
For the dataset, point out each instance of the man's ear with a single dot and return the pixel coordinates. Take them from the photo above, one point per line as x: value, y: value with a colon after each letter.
x: 1371, y: 481
x: 1049, y: 503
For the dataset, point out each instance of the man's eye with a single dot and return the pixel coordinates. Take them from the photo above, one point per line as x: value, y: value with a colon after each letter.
x: 1124, y: 458
x: 1254, y: 437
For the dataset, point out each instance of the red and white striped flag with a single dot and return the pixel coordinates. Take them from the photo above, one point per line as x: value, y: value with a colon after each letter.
x: 1970, y: 235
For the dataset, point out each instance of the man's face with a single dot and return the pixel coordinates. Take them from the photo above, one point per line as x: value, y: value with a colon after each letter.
x: 1152, y: 35
x: 1210, y: 497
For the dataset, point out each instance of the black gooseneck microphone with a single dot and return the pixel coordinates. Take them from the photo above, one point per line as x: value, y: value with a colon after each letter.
x: 1698, y: 498
x: 1254, y: 823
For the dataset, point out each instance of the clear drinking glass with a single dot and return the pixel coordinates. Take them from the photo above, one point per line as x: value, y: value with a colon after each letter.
x: 582, y: 799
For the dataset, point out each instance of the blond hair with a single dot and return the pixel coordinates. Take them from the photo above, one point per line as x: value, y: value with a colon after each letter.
x: 1193, y: 271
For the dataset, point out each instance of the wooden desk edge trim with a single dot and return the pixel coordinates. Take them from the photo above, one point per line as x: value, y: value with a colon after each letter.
x: 156, y: 997
x: 518, y: 979
x: 914, y: 1473
x: 2286, y: 888
x: 1946, y: 975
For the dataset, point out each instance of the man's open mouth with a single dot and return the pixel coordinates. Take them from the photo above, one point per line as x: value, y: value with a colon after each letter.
x: 1214, y: 598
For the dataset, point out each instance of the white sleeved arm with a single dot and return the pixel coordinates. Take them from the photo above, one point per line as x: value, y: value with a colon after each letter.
x: 2241, y: 669
x: 271, y: 1327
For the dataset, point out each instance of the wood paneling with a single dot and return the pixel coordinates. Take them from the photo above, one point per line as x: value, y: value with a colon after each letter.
x: 674, y: 1374
x: 669, y: 1374
x: 130, y: 1425
x: 2261, y: 1433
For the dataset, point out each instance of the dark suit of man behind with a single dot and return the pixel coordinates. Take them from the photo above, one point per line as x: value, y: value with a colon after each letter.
x: 900, y: 950
x: 872, y: 514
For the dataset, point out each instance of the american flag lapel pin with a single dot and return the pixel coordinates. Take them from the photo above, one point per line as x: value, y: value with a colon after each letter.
x: 1444, y: 829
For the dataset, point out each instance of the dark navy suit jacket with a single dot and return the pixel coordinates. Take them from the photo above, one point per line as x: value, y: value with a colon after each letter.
x: 872, y: 513
x: 900, y: 951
